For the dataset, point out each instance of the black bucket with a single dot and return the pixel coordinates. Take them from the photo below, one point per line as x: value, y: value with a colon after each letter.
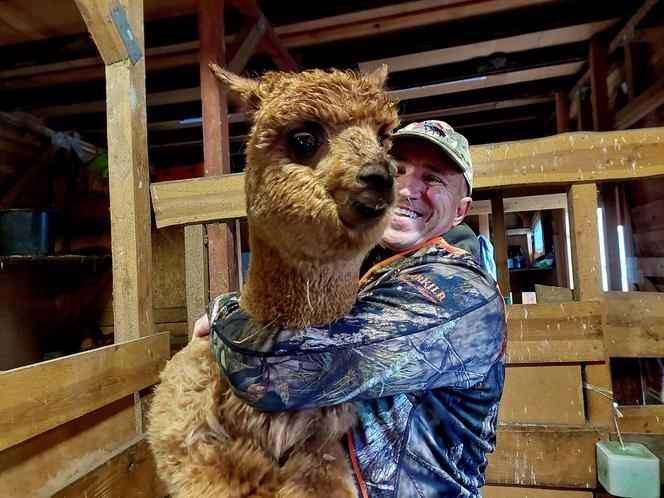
x: 26, y: 232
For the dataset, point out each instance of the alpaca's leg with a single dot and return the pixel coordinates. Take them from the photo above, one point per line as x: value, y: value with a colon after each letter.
x: 319, y: 469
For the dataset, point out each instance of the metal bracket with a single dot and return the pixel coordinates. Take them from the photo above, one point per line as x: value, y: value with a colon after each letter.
x: 119, y: 16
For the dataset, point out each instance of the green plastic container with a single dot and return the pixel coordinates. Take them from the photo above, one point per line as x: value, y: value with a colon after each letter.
x: 630, y: 472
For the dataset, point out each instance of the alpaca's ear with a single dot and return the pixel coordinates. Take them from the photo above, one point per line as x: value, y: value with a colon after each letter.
x: 243, y: 91
x: 378, y: 76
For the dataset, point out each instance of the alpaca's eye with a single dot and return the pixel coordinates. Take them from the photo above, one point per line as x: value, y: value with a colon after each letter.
x: 304, y: 142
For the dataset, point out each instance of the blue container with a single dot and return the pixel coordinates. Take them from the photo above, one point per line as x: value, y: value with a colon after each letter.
x: 26, y: 232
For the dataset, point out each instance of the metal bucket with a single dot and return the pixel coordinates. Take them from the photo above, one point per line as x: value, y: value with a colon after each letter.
x: 26, y: 232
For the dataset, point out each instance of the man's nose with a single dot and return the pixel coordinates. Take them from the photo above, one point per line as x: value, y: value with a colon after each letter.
x: 409, y: 186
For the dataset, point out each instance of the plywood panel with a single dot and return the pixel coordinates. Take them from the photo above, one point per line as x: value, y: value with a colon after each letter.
x: 41, y: 466
x: 634, y: 324
x: 39, y: 397
x: 529, y: 492
x: 554, y: 333
x: 543, y: 394
x: 535, y: 455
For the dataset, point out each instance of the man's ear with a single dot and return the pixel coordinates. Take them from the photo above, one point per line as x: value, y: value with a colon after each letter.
x: 378, y: 76
x: 243, y: 91
x: 463, y: 208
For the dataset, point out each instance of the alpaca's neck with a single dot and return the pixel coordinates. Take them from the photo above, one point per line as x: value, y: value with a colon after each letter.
x: 296, y: 293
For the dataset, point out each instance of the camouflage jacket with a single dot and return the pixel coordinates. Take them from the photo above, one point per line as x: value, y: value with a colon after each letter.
x: 421, y: 355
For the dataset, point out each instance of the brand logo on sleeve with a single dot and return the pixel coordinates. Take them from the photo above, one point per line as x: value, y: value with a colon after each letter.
x: 424, y: 286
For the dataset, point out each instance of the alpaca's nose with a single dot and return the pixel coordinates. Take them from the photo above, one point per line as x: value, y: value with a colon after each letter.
x: 376, y: 176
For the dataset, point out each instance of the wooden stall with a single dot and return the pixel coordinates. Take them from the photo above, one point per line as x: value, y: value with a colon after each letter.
x: 75, y: 426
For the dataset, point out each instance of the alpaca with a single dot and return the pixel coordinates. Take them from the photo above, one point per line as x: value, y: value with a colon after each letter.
x: 319, y: 186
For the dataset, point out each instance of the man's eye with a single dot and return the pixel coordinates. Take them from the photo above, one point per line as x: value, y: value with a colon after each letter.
x: 434, y: 179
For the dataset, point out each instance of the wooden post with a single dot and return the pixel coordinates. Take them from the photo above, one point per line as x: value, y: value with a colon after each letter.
x: 500, y: 242
x: 221, y: 241
x: 131, y: 241
x: 196, y: 273
x: 611, y: 205
x: 582, y: 201
x: 599, y: 89
x: 484, y: 225
x: 560, y: 247
x: 562, y: 112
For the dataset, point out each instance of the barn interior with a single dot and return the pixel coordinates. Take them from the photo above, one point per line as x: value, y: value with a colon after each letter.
x: 561, y: 101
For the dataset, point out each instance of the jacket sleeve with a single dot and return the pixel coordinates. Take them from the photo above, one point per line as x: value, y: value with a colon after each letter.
x: 427, y: 328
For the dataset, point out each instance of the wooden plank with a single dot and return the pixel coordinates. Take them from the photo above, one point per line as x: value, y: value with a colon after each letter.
x: 541, y: 455
x: 45, y: 395
x: 651, y: 267
x: 642, y: 419
x: 537, y: 39
x: 585, y: 242
x: 554, y: 333
x: 640, y: 107
x: 500, y: 243
x: 245, y: 43
x: 551, y: 394
x: 43, y: 465
x: 388, y: 19
x: 129, y: 473
x: 634, y: 324
x: 97, y: 17
x: 599, y: 89
x: 598, y: 407
x: 649, y: 244
x: 489, y: 81
x: 196, y: 261
x: 570, y: 158
x: 561, y: 159
x: 198, y: 200
x: 530, y: 492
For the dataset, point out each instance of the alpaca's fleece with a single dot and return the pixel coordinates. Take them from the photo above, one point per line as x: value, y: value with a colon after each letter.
x: 311, y: 221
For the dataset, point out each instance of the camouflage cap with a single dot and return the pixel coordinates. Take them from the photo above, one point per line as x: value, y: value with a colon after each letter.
x: 443, y: 135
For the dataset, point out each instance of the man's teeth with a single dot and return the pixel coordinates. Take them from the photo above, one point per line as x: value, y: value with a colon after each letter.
x: 406, y: 212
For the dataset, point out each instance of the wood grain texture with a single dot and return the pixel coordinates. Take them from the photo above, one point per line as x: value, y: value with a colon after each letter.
x: 568, y: 332
x: 97, y: 17
x: 42, y: 396
x: 634, y: 324
x: 540, y: 455
x: 530, y: 492
x: 643, y: 419
x: 550, y: 394
x: 500, y: 242
x: 129, y: 473
x: 586, y: 265
x: 43, y: 465
x: 196, y: 262
x: 131, y: 238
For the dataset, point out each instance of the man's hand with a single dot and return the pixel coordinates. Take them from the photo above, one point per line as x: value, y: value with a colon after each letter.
x: 201, y: 328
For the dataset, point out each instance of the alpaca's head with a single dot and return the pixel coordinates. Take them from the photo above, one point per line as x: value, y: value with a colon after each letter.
x: 319, y: 181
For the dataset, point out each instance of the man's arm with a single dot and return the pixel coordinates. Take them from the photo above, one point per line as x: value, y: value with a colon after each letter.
x: 434, y: 326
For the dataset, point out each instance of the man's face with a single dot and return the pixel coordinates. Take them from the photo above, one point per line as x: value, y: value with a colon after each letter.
x: 431, y: 195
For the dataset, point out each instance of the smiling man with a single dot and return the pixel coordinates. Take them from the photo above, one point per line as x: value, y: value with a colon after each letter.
x: 421, y: 353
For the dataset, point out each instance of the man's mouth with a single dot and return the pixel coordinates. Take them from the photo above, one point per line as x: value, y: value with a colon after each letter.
x: 409, y: 213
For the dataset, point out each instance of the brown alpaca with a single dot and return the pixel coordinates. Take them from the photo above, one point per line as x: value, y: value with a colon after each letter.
x: 319, y: 188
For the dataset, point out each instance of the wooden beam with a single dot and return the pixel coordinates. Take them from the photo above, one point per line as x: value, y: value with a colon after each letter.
x: 599, y: 89
x: 640, y: 107
x: 544, y: 455
x: 489, y: 81
x: 585, y: 242
x: 651, y: 267
x: 486, y: 106
x: 131, y: 238
x: 221, y: 248
x: 271, y: 44
x: 196, y: 273
x: 537, y: 39
x: 533, y: 492
x: 131, y: 472
x: 518, y: 204
x: 500, y: 243
x: 634, y: 325
x: 245, y: 43
x: 569, y: 332
x: 45, y: 395
x: 562, y: 159
x: 97, y: 17
x: 388, y: 19
x: 562, y: 113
